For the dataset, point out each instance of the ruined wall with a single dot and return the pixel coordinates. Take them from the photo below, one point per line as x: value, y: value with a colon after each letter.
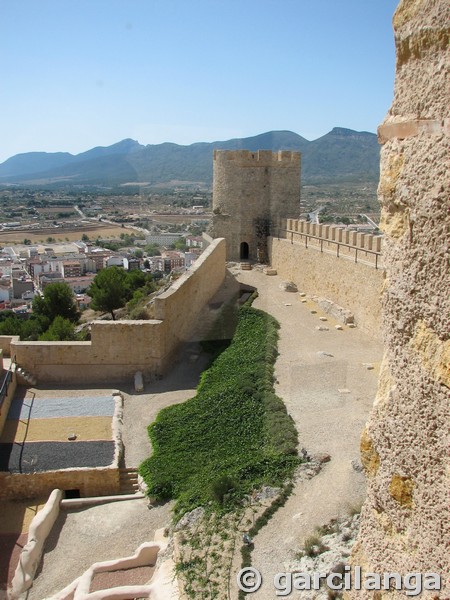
x: 405, y: 520
x: 249, y: 186
x: 120, y: 348
x: 356, y: 287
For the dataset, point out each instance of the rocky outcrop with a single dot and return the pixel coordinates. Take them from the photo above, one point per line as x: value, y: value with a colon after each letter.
x: 405, y: 520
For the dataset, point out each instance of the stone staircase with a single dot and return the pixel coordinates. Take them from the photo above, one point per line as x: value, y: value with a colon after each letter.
x: 128, y: 479
x: 246, y: 266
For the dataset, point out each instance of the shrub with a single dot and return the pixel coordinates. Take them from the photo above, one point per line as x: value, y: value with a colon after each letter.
x: 222, y: 488
x: 313, y: 546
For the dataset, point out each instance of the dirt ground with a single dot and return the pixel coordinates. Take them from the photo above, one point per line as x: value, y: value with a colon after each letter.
x: 329, y: 398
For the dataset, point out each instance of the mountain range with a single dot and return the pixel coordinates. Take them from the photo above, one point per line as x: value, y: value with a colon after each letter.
x: 340, y: 155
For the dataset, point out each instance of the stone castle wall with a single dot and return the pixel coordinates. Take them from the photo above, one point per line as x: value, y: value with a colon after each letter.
x: 120, y: 348
x: 354, y: 286
x: 249, y: 186
x: 90, y: 482
x: 405, y: 520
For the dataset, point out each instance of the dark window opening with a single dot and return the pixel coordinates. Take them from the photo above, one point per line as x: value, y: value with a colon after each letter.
x: 72, y: 493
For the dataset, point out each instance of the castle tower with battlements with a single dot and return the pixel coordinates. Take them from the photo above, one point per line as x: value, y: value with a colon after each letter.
x: 252, y: 191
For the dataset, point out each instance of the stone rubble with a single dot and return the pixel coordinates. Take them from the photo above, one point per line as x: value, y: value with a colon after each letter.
x: 333, y: 553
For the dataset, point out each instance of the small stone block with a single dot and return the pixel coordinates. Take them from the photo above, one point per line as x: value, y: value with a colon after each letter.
x: 304, y: 301
x: 287, y: 304
x: 302, y: 294
x: 343, y: 391
x: 319, y: 328
x: 313, y: 312
x: 351, y: 325
x: 323, y: 319
x: 339, y: 327
x: 269, y: 271
x: 138, y: 382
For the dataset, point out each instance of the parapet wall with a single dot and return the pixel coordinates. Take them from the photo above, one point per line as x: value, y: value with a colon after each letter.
x: 300, y: 230
x: 120, y: 348
x: 355, y: 286
x: 259, y: 158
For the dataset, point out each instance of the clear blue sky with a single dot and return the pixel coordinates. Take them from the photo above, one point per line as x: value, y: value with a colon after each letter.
x: 75, y: 74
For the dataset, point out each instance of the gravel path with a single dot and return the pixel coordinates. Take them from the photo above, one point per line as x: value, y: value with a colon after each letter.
x: 329, y: 398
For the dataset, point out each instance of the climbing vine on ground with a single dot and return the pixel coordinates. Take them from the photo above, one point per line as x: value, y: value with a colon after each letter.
x: 233, y: 436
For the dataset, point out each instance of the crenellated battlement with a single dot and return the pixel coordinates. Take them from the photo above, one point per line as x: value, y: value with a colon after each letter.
x: 334, y: 233
x: 258, y: 158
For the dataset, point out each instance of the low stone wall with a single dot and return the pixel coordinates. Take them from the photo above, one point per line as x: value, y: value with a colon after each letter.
x: 40, y: 527
x: 118, y: 349
x: 5, y: 343
x: 90, y: 482
x: 163, y: 584
x: 354, y: 286
x: 7, y: 401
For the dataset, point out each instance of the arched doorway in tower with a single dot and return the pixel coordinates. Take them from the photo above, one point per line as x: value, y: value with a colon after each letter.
x: 244, y: 251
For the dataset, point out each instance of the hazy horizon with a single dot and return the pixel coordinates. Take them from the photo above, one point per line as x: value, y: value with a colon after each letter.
x: 81, y: 75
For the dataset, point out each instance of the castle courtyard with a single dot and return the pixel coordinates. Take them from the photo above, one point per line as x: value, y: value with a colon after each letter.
x: 327, y: 378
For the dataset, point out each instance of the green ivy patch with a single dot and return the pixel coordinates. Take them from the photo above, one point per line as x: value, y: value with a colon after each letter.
x: 234, y: 435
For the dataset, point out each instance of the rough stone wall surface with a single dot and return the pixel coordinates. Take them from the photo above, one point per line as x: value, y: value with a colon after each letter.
x: 120, y: 348
x: 90, y: 482
x: 405, y: 524
x: 356, y: 287
x: 252, y: 185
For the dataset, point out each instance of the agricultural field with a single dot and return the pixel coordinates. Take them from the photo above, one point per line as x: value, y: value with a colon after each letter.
x: 66, y: 234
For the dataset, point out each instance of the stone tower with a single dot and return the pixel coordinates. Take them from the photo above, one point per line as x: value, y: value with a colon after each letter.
x: 405, y: 521
x: 252, y: 191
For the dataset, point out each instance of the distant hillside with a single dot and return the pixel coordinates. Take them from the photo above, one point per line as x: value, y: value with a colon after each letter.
x: 340, y: 155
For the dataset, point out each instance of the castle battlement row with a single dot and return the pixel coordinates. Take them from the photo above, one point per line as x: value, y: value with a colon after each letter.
x: 336, y: 234
x: 258, y: 158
